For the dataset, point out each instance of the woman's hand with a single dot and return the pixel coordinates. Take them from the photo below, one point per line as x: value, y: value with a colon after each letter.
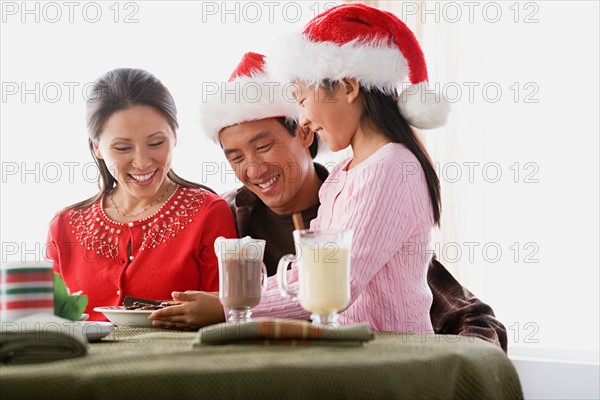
x: 199, y: 309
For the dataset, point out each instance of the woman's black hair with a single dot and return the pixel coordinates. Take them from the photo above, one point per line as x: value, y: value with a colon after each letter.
x: 119, y: 90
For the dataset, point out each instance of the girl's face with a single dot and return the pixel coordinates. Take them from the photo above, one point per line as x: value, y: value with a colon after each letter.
x: 332, y: 113
x: 137, y: 144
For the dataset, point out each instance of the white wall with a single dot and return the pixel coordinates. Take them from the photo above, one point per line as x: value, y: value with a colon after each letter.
x: 557, y: 379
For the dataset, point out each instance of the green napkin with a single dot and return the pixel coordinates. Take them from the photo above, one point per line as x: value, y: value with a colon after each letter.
x: 41, y: 338
x: 283, y: 331
x: 66, y: 304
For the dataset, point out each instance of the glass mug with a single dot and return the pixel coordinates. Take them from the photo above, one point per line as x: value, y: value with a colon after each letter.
x: 323, y: 262
x: 242, y: 275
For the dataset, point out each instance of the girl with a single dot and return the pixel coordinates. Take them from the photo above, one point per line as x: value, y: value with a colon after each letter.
x: 388, y: 192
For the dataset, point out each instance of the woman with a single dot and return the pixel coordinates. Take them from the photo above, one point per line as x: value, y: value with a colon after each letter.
x: 148, y: 231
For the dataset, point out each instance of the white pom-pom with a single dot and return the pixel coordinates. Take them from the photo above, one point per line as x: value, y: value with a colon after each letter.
x: 423, y: 108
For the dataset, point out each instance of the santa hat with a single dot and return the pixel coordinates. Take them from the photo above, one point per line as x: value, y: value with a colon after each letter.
x: 357, y: 41
x: 248, y: 95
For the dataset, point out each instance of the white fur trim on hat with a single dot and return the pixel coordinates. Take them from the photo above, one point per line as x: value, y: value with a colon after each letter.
x: 375, y: 64
x: 245, y: 99
x: 422, y: 107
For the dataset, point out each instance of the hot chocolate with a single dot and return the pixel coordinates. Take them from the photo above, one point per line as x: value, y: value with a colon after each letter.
x: 241, y: 282
x: 242, y: 275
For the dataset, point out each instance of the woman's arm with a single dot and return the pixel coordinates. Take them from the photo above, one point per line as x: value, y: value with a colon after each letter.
x: 52, y: 250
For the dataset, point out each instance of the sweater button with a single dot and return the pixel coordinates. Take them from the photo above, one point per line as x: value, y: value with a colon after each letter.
x: 118, y: 292
x: 130, y: 224
x: 130, y: 258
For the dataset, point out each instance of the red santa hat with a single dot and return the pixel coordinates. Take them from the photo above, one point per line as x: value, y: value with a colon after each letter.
x: 376, y: 47
x: 248, y: 95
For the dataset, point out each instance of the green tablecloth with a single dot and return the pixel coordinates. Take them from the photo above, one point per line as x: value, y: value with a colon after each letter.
x: 158, y: 364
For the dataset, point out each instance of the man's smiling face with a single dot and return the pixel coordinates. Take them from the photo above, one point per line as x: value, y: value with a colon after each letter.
x: 269, y: 161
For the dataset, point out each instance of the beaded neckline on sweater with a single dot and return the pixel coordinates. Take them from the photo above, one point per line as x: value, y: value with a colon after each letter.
x: 97, y: 232
x: 142, y: 220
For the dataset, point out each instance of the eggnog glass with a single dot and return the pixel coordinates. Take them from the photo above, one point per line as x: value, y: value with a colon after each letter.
x: 323, y: 262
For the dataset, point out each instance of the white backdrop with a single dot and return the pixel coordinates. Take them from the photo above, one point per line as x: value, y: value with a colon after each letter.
x: 526, y: 107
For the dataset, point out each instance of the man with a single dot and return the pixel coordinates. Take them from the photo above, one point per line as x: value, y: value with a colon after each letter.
x: 265, y: 211
x: 273, y: 157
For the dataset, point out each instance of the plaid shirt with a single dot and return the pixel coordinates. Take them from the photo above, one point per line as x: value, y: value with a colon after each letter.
x: 454, y: 311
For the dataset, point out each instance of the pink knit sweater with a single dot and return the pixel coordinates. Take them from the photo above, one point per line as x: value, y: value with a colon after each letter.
x: 385, y: 201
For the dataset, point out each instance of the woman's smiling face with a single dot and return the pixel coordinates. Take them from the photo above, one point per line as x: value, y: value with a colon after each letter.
x: 137, y: 145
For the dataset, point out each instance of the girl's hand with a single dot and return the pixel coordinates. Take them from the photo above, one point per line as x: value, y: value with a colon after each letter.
x: 199, y: 309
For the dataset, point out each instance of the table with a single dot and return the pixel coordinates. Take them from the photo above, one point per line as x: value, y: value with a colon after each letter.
x: 148, y: 363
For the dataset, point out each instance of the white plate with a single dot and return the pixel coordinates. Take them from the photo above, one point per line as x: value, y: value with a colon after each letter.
x: 96, y: 330
x: 120, y: 316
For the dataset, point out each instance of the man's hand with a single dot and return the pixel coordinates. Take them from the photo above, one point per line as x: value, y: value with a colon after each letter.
x: 199, y: 309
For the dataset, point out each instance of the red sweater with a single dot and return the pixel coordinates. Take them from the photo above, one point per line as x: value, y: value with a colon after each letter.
x: 171, y: 250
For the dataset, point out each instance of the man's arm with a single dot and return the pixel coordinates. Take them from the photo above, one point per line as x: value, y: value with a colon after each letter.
x: 456, y: 311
